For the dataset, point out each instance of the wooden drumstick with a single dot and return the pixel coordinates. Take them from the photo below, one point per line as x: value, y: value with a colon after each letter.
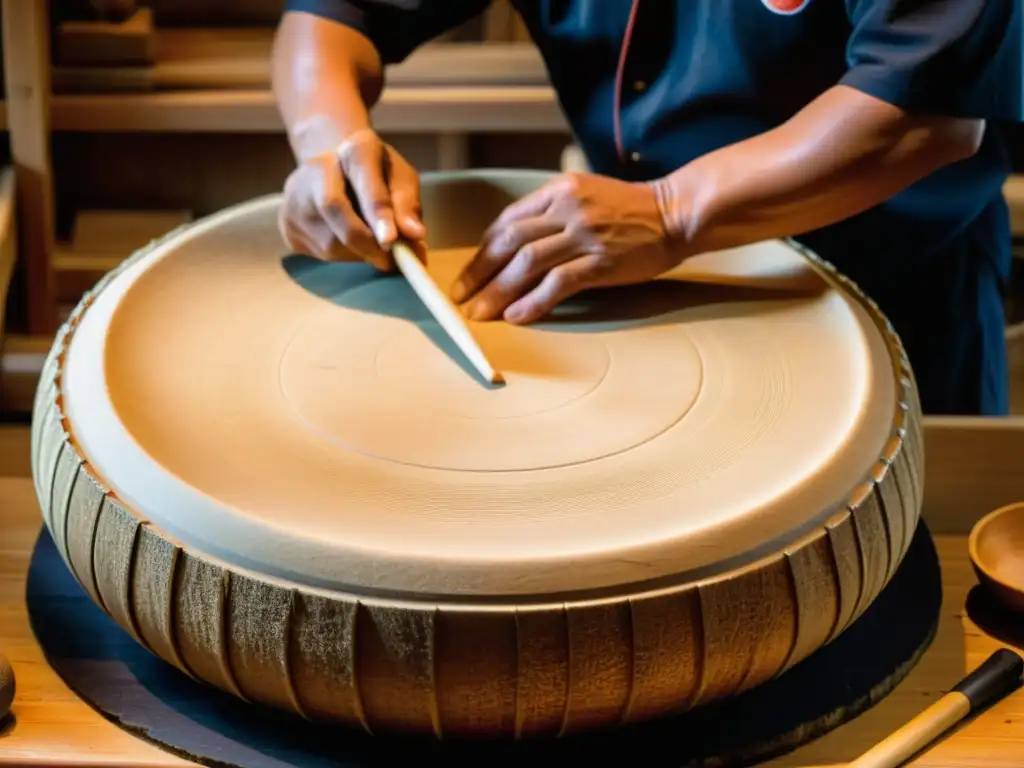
x: 996, y: 677
x: 443, y: 310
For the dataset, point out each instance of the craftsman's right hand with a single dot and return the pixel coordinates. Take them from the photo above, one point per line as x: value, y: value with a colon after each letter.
x: 317, y: 217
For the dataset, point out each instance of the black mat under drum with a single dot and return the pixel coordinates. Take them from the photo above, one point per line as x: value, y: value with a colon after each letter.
x: 144, y: 695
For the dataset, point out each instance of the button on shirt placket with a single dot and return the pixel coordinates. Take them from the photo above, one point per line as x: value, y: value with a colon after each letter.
x: 638, y: 89
x: 633, y: 90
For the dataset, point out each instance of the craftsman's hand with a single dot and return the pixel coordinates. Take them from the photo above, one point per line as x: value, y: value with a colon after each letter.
x: 578, y: 231
x: 318, y: 218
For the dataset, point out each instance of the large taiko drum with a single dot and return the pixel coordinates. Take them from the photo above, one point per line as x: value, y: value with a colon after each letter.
x: 279, y: 476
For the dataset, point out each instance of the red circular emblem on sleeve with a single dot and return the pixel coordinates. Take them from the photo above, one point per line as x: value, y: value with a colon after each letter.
x: 786, y: 7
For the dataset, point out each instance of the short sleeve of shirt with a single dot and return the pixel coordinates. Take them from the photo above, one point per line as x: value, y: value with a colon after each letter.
x: 395, y: 27
x: 961, y: 58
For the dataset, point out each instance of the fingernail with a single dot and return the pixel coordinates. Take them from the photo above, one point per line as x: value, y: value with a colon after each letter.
x: 383, y: 232
x: 416, y: 225
x: 458, y: 292
x: 515, y: 313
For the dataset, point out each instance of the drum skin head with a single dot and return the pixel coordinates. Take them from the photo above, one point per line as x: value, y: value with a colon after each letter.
x: 281, y: 477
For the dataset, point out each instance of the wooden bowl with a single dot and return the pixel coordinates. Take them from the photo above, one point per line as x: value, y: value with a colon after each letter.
x: 996, y: 547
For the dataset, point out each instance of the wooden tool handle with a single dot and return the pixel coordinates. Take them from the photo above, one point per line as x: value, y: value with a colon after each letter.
x: 997, y: 676
x: 443, y: 310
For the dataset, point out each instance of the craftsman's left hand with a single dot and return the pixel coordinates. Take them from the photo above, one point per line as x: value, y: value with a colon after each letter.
x: 578, y: 231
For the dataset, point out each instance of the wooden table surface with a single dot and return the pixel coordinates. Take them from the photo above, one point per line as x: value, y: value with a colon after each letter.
x: 55, y: 728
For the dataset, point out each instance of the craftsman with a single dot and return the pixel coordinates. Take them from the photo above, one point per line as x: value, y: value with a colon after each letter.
x: 866, y: 128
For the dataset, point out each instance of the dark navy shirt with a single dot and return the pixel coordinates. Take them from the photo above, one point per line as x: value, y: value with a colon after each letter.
x: 649, y: 85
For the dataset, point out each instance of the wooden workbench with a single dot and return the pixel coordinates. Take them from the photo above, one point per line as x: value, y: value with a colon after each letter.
x: 55, y: 728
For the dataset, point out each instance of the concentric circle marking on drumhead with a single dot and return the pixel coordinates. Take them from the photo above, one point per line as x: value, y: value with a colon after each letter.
x: 741, y: 421
x: 390, y: 389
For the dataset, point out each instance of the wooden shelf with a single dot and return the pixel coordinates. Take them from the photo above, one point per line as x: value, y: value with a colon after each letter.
x: 401, y: 110
x: 240, y: 59
x: 462, y: 87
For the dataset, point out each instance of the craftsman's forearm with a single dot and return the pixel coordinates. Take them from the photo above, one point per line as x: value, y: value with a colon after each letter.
x: 325, y: 77
x: 844, y: 153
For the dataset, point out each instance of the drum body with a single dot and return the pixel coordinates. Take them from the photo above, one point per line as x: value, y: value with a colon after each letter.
x: 274, y: 474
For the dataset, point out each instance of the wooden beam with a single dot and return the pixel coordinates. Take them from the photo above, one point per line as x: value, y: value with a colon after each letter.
x: 428, y: 109
x: 107, y: 42
x: 8, y: 246
x: 8, y: 238
x: 26, y: 58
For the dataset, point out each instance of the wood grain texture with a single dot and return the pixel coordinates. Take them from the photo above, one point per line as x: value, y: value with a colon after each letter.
x: 26, y: 54
x: 8, y: 246
x: 465, y: 669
